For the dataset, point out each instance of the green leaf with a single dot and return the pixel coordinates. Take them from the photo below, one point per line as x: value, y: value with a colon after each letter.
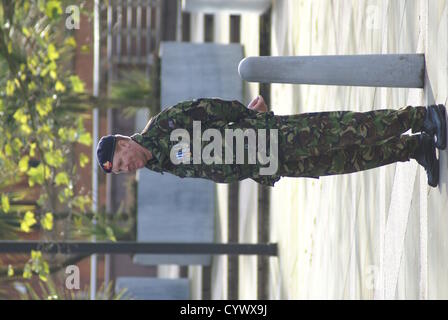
x: 44, y: 107
x: 32, y: 86
x: 77, y: 84
x: 62, y: 178
x: 8, y: 150
x: 59, y: 86
x: 70, y: 41
x: 85, y: 48
x: 81, y: 202
x: 53, y: 9
x: 48, y: 144
x: 54, y: 159
x: 25, y: 32
x: 44, y: 270
x: 43, y: 277
x: 36, y: 175
x: 36, y: 255
x: 5, y: 203
x: 67, y: 134
x: 23, y: 164
x: 110, y: 234
x: 17, y: 144
x: 10, y: 270
x: 47, y: 221
x: 61, y: 197
x: 10, y: 88
x: 46, y: 267
x: 20, y: 117
x: 32, y: 149
x: 27, y: 271
x: 85, y: 139
x: 77, y: 222
x: 27, y: 222
x: 26, y: 129
x: 52, y: 53
x: 68, y: 192
x: 83, y: 160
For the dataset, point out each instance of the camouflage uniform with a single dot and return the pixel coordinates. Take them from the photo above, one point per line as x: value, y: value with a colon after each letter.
x: 309, y: 144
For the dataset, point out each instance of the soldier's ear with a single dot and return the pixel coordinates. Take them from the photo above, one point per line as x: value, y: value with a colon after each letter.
x: 121, y: 143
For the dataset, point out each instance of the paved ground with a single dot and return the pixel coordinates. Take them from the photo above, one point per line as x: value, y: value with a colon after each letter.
x: 373, y: 234
x: 339, y: 234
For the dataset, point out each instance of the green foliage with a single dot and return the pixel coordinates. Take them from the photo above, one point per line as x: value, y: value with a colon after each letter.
x: 62, y: 179
x: 53, y: 9
x: 28, y: 221
x: 137, y: 91
x: 83, y: 160
x: 47, y: 221
x: 35, y: 63
x: 104, y: 227
x: 42, y: 108
x: 54, y: 289
x: 77, y: 84
x: 5, y: 203
x: 36, y: 265
x: 10, y: 271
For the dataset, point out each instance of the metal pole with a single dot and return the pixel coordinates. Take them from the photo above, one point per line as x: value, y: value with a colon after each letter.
x: 228, y: 6
x: 127, y: 247
x: 371, y: 70
x: 110, y: 66
x: 179, y: 21
x: 96, y: 79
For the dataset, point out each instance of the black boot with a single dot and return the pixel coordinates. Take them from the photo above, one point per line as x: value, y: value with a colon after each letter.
x: 426, y: 157
x: 435, y: 124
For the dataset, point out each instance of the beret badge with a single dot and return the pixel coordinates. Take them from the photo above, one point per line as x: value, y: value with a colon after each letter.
x: 107, y: 165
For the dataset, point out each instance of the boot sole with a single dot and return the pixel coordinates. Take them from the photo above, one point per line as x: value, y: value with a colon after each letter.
x: 435, y: 176
x: 427, y: 158
x: 435, y: 168
x: 441, y: 112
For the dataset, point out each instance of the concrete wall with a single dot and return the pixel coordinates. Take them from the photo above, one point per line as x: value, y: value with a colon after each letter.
x: 140, y: 288
x: 192, y: 70
x: 172, y: 209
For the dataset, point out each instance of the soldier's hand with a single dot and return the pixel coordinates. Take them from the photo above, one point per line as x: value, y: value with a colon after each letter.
x: 258, y: 104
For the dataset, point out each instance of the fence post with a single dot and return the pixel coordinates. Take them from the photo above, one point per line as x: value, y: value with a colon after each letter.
x: 131, y: 247
x: 228, y: 6
x: 369, y: 70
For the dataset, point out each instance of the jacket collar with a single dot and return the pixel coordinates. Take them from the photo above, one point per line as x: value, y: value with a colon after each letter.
x: 148, y: 142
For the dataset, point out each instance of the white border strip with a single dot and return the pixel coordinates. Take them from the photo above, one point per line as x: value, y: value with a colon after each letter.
x: 423, y: 281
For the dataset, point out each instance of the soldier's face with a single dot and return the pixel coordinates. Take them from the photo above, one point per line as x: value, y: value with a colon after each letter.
x: 128, y: 157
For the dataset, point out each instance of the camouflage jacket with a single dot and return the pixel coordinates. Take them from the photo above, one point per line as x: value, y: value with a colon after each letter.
x: 212, y: 113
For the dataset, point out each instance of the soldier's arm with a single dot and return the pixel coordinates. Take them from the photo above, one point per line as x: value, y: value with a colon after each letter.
x: 215, y: 109
x: 207, y: 109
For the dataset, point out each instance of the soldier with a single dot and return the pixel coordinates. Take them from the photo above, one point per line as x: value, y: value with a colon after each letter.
x: 309, y: 144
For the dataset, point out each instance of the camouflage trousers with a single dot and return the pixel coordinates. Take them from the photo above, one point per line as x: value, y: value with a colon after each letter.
x: 338, y: 142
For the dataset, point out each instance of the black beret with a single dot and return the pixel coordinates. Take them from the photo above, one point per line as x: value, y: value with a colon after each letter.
x: 105, y: 152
